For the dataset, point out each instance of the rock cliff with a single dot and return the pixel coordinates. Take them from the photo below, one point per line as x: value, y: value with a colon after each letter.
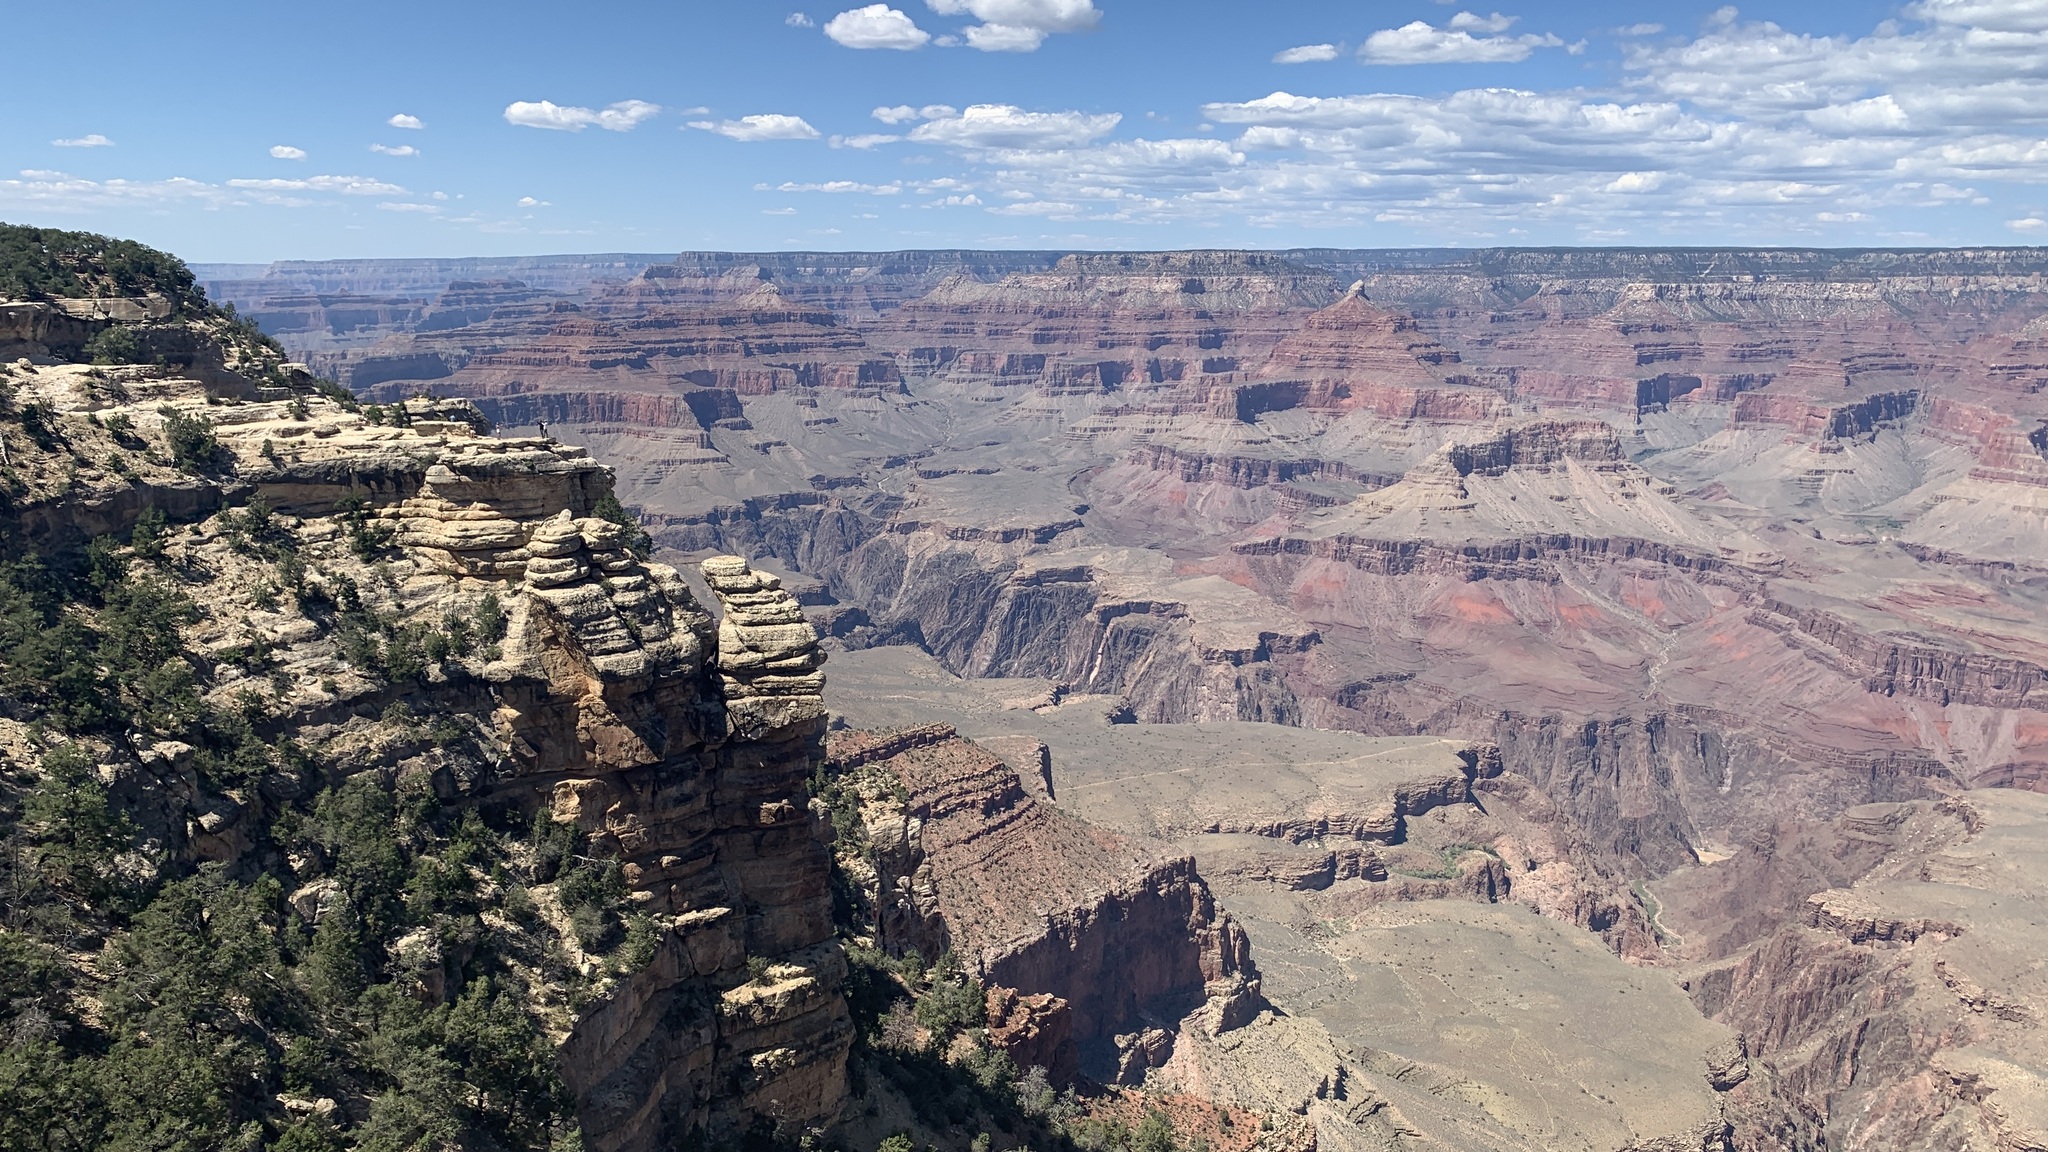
x: 1123, y: 938
x: 395, y: 570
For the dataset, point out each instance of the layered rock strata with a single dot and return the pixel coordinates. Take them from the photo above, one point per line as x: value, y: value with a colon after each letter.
x: 602, y: 693
x: 1122, y: 936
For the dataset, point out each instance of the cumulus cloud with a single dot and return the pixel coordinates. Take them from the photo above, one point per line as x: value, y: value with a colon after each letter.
x: 2029, y: 224
x: 92, y: 140
x: 623, y: 116
x: 799, y: 20
x: 765, y: 126
x: 864, y: 141
x: 877, y: 26
x: 394, y: 150
x: 530, y: 202
x: 1019, y: 25
x: 1306, y: 54
x: 402, y: 120
x: 286, y: 152
x: 1418, y: 42
x: 1008, y: 126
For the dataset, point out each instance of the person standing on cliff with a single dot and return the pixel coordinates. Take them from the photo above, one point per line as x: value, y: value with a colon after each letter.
x: 544, y: 431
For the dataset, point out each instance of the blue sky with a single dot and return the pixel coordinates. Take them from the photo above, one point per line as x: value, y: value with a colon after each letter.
x: 249, y: 132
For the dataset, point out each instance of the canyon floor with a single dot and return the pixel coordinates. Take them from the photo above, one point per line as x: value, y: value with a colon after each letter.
x: 1603, y: 686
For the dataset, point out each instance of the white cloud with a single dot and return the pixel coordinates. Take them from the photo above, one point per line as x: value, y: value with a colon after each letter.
x: 1419, y: 43
x: 345, y: 185
x: 1005, y: 38
x: 1495, y: 23
x: 2029, y: 224
x: 287, y: 152
x: 799, y: 20
x: 623, y: 116
x: 864, y: 141
x: 1635, y: 182
x: 1057, y: 209
x: 765, y: 126
x: 876, y: 26
x: 778, y: 211
x: 530, y: 202
x: 390, y: 150
x: 402, y: 120
x: 905, y: 114
x: 1640, y: 30
x: 1306, y: 54
x: 61, y: 192
x: 1877, y: 114
x: 839, y: 187
x: 1008, y: 126
x: 43, y: 190
x: 93, y: 140
x: 1046, y: 15
x: 1990, y: 15
x: 422, y: 209
x: 1019, y: 25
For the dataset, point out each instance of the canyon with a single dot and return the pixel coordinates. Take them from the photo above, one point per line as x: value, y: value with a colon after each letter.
x: 1502, y: 699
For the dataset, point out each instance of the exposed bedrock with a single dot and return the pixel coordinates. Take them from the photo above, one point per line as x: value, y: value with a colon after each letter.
x: 604, y: 696
x: 723, y: 843
x: 1123, y: 933
x: 1901, y: 1003
x: 1656, y: 788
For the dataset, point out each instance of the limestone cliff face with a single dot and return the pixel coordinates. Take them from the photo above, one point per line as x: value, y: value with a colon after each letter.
x: 682, y: 748
x: 1126, y: 937
x: 714, y: 822
x: 604, y: 696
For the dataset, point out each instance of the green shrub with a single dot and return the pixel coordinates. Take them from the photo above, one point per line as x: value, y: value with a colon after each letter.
x: 115, y: 345
x: 636, y: 539
x: 76, y: 832
x: 191, y: 440
x: 368, y: 539
x: 953, y: 1002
